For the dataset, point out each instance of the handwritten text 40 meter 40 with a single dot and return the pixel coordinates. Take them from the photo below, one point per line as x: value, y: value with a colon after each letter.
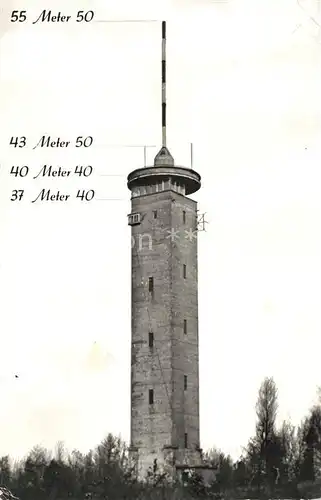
x: 50, y: 171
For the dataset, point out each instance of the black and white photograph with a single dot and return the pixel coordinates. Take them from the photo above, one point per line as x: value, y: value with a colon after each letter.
x: 160, y: 250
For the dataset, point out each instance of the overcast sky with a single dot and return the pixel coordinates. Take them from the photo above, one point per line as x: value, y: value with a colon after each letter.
x: 243, y: 86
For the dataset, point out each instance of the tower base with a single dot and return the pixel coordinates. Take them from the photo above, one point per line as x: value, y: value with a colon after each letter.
x: 206, y: 472
x: 171, y: 464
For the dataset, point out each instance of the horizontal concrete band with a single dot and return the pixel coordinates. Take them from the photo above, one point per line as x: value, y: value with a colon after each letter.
x: 149, y: 175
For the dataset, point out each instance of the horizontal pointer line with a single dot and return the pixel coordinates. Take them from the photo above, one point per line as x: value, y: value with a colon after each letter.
x: 127, y: 21
x: 110, y: 199
x: 112, y: 175
x: 125, y: 146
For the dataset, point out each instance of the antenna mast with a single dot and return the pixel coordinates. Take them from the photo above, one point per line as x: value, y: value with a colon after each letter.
x: 163, y: 157
x: 164, y: 84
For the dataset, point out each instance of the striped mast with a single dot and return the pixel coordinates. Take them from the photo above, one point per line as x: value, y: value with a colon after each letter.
x: 164, y: 84
x: 164, y: 157
x: 317, y: 20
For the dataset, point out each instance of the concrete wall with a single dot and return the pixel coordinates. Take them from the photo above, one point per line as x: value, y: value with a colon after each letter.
x: 162, y: 368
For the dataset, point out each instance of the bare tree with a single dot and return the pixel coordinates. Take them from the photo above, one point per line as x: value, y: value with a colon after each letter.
x: 60, y: 452
x: 266, y: 410
x: 263, y: 448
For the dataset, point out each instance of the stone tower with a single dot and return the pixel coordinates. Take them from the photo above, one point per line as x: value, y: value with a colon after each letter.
x: 165, y: 359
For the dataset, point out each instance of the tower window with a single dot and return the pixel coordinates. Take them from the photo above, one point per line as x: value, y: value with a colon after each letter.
x: 151, y: 396
x: 151, y: 284
x: 184, y: 217
x: 155, y: 214
x: 185, y: 382
x: 151, y: 339
x: 185, y: 440
x: 134, y: 219
x: 185, y: 326
x: 184, y: 271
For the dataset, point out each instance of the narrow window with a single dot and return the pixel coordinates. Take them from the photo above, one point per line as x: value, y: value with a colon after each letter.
x: 185, y: 438
x: 134, y: 219
x: 184, y: 217
x: 185, y: 382
x: 155, y: 214
x: 151, y: 339
x: 151, y: 396
x: 184, y: 271
x: 185, y: 326
x: 151, y: 284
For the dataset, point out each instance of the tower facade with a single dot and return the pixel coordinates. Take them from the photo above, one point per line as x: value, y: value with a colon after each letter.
x: 165, y: 351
